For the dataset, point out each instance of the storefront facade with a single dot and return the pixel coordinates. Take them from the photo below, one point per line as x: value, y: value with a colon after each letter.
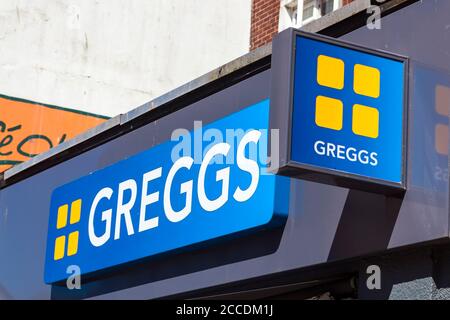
x: 332, y: 239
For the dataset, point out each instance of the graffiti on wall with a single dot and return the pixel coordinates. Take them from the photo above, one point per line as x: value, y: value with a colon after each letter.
x: 28, y: 128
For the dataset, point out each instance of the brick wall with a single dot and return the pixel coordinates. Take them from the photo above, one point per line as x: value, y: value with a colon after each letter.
x: 265, y: 21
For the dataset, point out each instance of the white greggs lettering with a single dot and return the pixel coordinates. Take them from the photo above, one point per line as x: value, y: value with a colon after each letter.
x: 123, y: 210
x: 345, y: 153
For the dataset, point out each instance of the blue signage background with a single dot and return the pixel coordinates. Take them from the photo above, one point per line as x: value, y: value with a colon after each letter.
x: 268, y: 205
x: 305, y: 132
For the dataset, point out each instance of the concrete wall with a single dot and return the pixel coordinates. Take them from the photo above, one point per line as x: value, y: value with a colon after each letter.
x: 109, y: 56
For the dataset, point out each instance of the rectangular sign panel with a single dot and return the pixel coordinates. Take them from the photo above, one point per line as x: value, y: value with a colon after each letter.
x: 345, y: 110
x: 176, y: 194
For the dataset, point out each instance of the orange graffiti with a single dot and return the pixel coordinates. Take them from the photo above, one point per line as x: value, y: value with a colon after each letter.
x: 28, y: 128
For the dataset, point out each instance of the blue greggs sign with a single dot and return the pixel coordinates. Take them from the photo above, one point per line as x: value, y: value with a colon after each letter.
x: 342, y: 111
x: 155, y: 202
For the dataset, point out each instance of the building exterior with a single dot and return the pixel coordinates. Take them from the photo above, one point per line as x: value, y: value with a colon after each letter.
x: 270, y: 17
x: 107, y: 57
x: 324, y: 235
x: 66, y: 56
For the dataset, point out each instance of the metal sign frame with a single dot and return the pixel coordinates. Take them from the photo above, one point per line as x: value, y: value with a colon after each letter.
x: 282, y: 97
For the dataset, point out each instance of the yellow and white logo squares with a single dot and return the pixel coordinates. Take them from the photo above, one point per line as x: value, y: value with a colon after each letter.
x: 62, y: 220
x: 329, y: 111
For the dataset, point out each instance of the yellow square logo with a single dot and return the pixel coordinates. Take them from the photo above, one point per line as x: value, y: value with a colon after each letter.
x: 61, y: 222
x: 366, y: 81
x: 441, y: 139
x: 72, y: 247
x: 442, y: 97
x: 442, y: 107
x: 365, y: 121
x: 60, y: 244
x: 329, y: 113
x: 330, y: 72
x: 75, y: 211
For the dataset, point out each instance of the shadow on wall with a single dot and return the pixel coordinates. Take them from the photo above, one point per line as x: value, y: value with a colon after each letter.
x: 366, y: 224
x: 3, y: 294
